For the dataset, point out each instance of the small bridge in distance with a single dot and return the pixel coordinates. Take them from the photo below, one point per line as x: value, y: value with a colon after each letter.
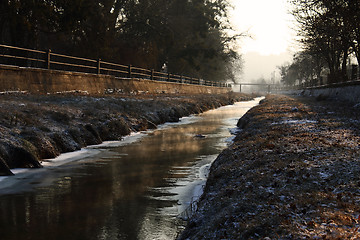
x: 268, y: 85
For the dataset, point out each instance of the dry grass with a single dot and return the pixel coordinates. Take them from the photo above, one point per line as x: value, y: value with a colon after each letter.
x: 292, y: 173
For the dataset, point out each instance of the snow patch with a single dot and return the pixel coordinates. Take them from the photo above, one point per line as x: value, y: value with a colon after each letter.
x: 66, y: 158
x: 13, y: 92
x: 291, y: 121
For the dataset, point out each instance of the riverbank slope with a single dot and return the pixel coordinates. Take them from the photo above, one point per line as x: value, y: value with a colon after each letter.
x: 36, y: 127
x: 291, y: 173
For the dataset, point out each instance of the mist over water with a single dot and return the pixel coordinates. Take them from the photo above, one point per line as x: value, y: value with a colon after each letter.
x: 120, y: 191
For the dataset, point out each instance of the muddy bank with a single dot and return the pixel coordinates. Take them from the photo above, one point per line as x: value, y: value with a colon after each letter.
x: 36, y: 127
x: 292, y: 173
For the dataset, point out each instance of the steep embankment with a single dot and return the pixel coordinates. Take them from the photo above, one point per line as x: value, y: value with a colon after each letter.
x: 292, y: 173
x: 39, y: 127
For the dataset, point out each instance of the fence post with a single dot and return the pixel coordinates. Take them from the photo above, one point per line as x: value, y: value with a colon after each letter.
x: 48, y: 58
x: 152, y: 74
x: 99, y: 66
x: 129, y: 71
x: 168, y: 77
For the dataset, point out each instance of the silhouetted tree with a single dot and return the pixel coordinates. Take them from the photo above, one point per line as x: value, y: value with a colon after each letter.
x: 305, y: 69
x: 329, y: 29
x: 187, y: 35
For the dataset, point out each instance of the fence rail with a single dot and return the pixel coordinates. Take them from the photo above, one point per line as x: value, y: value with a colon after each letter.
x: 23, y: 57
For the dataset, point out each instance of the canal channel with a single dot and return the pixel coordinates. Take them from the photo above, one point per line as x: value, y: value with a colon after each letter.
x: 138, y: 188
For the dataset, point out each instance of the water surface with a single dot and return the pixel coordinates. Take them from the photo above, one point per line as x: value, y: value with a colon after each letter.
x: 117, y: 190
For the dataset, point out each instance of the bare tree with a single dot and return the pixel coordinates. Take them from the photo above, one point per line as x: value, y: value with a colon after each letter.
x: 325, y: 31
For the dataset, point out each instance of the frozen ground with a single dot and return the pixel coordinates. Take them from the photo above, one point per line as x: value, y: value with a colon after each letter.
x: 292, y: 173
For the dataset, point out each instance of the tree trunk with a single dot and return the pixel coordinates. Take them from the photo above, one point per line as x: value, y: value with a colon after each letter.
x: 343, y: 66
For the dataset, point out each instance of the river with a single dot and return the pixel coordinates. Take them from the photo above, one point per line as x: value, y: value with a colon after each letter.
x: 132, y: 189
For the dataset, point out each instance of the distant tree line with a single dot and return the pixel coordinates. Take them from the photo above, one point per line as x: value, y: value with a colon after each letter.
x: 188, y: 36
x: 329, y: 31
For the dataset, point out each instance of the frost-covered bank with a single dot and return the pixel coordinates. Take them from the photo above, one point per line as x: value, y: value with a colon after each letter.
x: 292, y: 173
x: 35, y: 127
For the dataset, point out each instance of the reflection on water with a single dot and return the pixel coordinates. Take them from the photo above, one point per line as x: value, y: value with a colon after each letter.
x: 134, y: 191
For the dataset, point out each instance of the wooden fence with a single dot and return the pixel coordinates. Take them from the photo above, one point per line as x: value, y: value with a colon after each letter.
x: 23, y: 57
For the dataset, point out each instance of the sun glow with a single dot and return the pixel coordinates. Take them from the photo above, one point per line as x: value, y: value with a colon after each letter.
x: 267, y: 22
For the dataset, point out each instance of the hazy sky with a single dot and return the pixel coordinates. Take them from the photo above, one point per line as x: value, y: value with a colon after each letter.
x: 269, y: 23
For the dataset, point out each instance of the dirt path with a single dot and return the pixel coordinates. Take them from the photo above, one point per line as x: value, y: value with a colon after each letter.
x: 292, y: 173
x: 36, y: 127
